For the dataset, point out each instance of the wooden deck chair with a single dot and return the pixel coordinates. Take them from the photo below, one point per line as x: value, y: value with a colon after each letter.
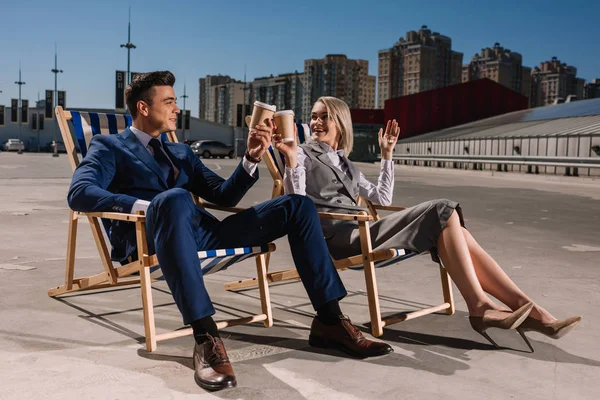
x: 145, y: 270
x: 368, y: 260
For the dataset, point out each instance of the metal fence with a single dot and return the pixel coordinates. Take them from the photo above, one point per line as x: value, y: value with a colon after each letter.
x: 558, y: 154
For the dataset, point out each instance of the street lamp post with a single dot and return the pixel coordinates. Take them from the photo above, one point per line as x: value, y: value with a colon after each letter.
x: 37, y: 123
x: 185, y: 96
x: 55, y: 71
x: 245, y: 88
x: 128, y: 46
x: 20, y: 111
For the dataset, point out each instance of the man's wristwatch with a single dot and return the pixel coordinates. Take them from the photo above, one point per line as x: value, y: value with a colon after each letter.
x: 252, y: 159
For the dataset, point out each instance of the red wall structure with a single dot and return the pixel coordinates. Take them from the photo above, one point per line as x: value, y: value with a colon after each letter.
x: 364, y: 116
x: 445, y: 107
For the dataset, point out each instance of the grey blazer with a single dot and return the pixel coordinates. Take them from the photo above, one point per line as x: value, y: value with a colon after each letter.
x: 416, y: 228
x: 336, y: 192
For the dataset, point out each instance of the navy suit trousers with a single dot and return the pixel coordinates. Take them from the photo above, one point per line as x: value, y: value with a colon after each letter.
x: 177, y: 229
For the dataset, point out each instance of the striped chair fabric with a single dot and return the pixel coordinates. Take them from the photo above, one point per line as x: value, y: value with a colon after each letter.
x: 305, y: 134
x: 88, y: 124
x: 212, y: 261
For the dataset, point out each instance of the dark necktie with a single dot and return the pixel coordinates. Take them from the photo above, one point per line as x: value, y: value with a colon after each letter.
x: 163, y: 161
x: 345, y: 166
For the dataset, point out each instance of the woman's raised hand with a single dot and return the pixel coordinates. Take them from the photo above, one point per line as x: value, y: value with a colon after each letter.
x: 388, y: 139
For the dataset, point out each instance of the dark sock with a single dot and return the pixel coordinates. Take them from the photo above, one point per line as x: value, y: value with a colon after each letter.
x: 204, y: 326
x: 329, y: 313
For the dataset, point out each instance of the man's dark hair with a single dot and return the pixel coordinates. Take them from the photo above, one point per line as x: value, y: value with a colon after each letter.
x: 142, y: 88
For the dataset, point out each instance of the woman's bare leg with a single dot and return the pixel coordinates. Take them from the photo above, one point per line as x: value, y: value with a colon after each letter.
x: 496, y: 282
x: 454, y: 253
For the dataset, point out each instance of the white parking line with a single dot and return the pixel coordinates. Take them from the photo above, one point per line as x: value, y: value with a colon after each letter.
x: 16, y: 267
x: 306, y: 386
x: 581, y: 247
x: 216, y: 166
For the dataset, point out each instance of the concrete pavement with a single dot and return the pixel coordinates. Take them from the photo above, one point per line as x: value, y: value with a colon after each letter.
x: 542, y: 230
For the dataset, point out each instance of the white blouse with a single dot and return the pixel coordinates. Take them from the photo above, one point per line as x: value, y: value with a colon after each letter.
x: 294, y: 179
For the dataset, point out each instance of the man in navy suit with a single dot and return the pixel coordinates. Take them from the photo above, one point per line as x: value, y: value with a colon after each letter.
x: 136, y: 171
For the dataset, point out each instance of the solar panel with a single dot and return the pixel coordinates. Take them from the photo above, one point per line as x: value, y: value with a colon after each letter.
x: 574, y: 109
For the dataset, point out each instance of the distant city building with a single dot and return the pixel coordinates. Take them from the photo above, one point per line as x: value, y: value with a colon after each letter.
x: 222, y: 99
x: 206, y: 85
x: 36, y: 134
x: 422, y: 61
x: 336, y: 75
x: 553, y: 81
x: 592, y: 90
x: 500, y: 65
x: 369, y: 100
x: 39, y: 132
x: 284, y: 91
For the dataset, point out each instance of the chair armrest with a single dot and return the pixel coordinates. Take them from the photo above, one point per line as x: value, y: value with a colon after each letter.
x: 345, y: 217
x: 222, y: 208
x: 118, y: 216
x: 389, y: 208
x: 136, y: 217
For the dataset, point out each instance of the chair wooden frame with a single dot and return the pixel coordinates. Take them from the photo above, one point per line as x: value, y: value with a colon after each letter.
x: 367, y: 259
x: 123, y: 275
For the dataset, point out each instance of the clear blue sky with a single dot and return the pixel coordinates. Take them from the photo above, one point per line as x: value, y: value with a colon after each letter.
x: 194, y: 38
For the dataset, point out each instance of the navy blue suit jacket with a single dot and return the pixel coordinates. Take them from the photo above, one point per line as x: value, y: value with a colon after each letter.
x: 118, y: 170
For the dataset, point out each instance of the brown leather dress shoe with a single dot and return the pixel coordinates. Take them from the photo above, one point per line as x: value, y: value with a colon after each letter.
x: 346, y: 337
x: 212, y: 369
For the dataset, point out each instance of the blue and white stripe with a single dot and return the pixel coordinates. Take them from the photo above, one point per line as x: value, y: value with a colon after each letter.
x: 212, y: 261
x: 400, y: 255
x: 88, y: 124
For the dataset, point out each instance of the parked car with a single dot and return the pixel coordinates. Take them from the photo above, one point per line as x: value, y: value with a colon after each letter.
x: 50, y: 147
x: 212, y: 148
x: 13, y: 145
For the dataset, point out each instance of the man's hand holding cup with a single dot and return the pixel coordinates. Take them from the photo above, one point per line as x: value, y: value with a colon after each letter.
x: 261, y: 129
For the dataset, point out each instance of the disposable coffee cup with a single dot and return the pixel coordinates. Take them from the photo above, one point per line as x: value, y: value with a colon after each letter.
x: 284, y: 120
x: 261, y: 113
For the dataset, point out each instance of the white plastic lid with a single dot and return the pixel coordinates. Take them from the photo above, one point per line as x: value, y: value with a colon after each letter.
x: 283, y: 112
x: 265, y: 106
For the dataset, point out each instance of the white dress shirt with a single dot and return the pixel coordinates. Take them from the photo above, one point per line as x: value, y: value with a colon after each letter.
x: 144, y: 138
x: 294, y: 179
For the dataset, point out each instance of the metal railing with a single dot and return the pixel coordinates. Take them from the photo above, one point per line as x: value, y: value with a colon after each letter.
x: 564, y: 162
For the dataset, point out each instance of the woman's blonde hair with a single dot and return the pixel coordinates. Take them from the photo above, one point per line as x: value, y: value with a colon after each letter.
x: 339, y: 113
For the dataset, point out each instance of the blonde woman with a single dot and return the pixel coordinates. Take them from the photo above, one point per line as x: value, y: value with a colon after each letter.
x: 436, y: 226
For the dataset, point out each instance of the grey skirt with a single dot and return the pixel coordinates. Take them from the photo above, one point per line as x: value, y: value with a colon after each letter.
x: 416, y: 228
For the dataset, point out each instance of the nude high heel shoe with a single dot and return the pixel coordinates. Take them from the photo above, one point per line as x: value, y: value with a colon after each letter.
x: 554, y: 330
x: 499, y: 319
